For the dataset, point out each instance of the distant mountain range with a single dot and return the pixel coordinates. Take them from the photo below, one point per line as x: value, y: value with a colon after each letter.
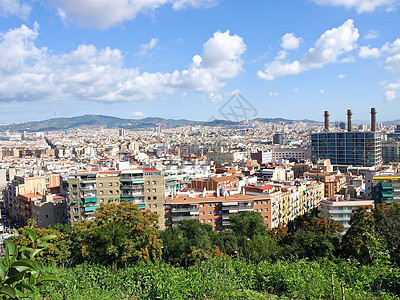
x: 114, y: 122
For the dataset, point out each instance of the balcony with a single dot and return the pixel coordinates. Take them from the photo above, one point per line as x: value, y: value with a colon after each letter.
x: 182, y: 218
x: 88, y: 187
x: 181, y: 210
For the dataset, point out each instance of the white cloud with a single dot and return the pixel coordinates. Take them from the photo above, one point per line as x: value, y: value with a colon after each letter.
x: 295, y: 90
x: 392, y: 90
x: 87, y: 73
x: 361, y: 6
x: 367, y: 52
x: 328, y: 49
x: 341, y: 76
x: 137, y: 114
x: 321, y: 91
x: 281, y: 55
x: 371, y: 34
x: 14, y: 8
x: 104, y: 14
x: 181, y: 4
x: 290, y: 41
x: 62, y: 14
x: 390, y: 95
x: 146, y: 48
x: 392, y: 63
x: 273, y: 94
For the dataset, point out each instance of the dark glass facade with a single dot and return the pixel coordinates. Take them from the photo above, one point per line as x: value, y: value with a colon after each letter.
x: 347, y: 148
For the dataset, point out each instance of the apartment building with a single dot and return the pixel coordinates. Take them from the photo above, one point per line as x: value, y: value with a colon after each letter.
x: 216, y: 211
x: 88, y: 190
x: 386, y: 188
x: 18, y: 208
x: 340, y: 209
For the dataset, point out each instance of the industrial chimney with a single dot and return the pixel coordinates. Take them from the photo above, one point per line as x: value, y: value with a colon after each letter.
x: 349, y: 120
x: 326, y: 118
x: 373, y: 119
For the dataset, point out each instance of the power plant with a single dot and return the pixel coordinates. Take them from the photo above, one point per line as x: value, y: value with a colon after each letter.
x: 356, y: 148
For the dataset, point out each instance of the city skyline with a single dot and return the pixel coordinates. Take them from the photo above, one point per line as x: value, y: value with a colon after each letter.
x: 185, y: 59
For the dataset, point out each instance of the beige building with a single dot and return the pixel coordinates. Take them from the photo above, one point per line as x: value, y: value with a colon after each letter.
x: 341, y: 209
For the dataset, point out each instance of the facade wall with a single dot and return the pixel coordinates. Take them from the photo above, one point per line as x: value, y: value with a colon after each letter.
x: 347, y: 148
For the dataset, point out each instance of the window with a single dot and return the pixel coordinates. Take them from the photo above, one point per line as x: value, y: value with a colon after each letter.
x: 148, y: 182
x: 101, y: 199
x: 110, y: 184
x: 265, y: 209
x: 154, y: 190
x: 266, y: 218
x: 153, y: 182
x: 209, y: 204
x: 202, y: 213
x: 214, y: 204
x: 154, y: 205
x: 148, y: 190
x: 201, y: 205
x: 209, y: 212
x: 154, y: 198
x: 100, y: 184
x: 209, y: 220
x: 149, y: 205
x: 111, y: 191
x: 202, y: 221
x: 148, y: 198
x: 101, y: 192
x: 75, y: 210
x: 116, y: 184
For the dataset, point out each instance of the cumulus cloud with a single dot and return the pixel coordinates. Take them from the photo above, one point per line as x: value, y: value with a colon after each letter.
x: 14, y: 8
x: 321, y: 91
x: 273, y: 94
x: 87, y: 73
x: 361, y: 6
x: 329, y: 48
x: 392, y: 62
x: 367, y: 52
x: 392, y: 90
x: 104, y: 14
x: 146, y: 48
x: 290, y: 41
x: 341, y: 76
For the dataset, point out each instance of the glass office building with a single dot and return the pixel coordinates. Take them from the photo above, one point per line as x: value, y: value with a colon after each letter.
x: 347, y: 148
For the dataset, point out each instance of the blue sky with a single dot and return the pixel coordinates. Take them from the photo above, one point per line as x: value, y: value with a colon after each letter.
x: 186, y: 58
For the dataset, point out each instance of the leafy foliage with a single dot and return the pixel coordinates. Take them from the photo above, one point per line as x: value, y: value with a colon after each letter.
x: 20, y: 273
x: 119, y: 234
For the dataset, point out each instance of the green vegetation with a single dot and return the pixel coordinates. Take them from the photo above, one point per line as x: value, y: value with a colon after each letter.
x: 20, y: 274
x: 122, y: 255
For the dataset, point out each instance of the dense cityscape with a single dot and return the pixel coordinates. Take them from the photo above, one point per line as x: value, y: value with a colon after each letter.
x: 199, y: 149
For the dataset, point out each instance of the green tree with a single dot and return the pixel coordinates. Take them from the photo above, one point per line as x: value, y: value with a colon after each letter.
x: 188, y: 242
x: 387, y: 226
x: 247, y: 224
x: 119, y: 233
x: 58, y: 251
x: 355, y: 243
x: 312, y: 237
x: 254, y: 242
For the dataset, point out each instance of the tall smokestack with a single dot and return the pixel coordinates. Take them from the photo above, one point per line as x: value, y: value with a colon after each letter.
x: 349, y: 120
x: 326, y: 117
x: 373, y: 119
